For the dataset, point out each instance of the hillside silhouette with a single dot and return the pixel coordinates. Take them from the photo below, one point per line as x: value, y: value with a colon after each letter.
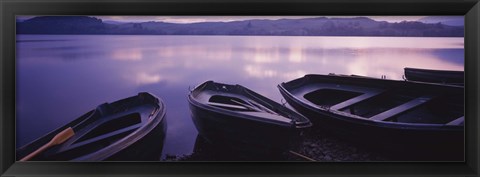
x: 320, y: 26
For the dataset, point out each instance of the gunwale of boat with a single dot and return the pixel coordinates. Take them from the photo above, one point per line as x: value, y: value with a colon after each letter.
x: 433, y: 70
x: 298, y: 88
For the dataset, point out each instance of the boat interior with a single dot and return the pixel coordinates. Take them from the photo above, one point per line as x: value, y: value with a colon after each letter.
x: 104, y: 126
x: 392, y: 105
x: 232, y: 103
x: 242, y: 104
x: 238, y: 99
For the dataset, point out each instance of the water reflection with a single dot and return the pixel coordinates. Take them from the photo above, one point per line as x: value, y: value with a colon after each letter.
x: 127, y: 54
x: 258, y: 71
x: 144, y: 78
x: 296, y: 55
x: 450, y: 55
x: 52, y: 91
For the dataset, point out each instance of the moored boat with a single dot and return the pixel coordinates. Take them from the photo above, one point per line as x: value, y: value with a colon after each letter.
x: 435, y: 76
x: 235, y: 115
x: 421, y: 119
x: 129, y: 129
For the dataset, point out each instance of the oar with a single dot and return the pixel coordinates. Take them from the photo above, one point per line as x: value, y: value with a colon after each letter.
x: 262, y: 107
x: 247, y: 106
x: 302, y: 156
x: 58, y: 139
x: 227, y: 105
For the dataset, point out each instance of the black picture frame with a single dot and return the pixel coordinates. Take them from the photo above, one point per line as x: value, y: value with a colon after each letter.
x: 10, y: 8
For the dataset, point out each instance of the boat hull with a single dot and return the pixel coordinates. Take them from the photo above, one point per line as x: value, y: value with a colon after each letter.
x: 217, y: 113
x: 149, y: 148
x: 243, y: 133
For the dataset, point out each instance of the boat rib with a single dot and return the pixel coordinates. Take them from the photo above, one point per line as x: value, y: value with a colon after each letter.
x: 365, y: 96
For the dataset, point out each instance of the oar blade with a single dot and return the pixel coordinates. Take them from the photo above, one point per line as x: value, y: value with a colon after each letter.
x: 62, y: 136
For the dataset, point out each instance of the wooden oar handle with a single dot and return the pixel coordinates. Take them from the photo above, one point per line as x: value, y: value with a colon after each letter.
x: 57, y: 139
x: 35, y: 153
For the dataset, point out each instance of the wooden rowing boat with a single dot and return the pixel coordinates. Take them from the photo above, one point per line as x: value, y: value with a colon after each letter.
x: 129, y: 129
x: 386, y: 114
x: 238, y: 115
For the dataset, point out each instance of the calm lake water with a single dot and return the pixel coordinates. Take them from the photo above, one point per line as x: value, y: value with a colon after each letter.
x: 60, y: 77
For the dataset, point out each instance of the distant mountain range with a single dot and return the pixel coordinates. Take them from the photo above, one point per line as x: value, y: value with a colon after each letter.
x: 446, y: 20
x: 321, y: 26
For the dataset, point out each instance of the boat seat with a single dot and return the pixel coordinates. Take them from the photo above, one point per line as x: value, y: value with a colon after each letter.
x: 357, y: 99
x: 458, y: 121
x: 402, y: 108
x: 364, y: 91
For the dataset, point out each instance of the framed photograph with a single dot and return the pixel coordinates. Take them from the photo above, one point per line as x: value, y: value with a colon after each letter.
x: 239, y: 88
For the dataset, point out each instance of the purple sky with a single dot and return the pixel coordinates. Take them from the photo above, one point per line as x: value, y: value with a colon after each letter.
x: 193, y: 19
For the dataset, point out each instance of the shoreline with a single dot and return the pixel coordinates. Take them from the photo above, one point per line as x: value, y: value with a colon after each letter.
x: 317, y: 146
